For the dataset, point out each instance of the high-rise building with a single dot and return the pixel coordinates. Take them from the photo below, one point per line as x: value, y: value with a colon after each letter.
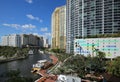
x: 45, y: 42
x: 11, y: 40
x: 41, y: 41
x: 59, y: 28
x: 15, y: 40
x: 22, y: 40
x: 4, y: 41
x: 91, y: 17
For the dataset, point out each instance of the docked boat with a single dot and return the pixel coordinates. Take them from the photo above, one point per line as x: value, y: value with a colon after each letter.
x: 35, y: 70
x: 42, y: 52
x: 30, y: 52
x: 38, y: 65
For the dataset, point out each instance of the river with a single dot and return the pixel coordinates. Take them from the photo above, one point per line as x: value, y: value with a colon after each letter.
x: 23, y: 65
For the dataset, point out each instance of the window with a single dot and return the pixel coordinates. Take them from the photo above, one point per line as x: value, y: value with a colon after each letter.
x: 114, y: 52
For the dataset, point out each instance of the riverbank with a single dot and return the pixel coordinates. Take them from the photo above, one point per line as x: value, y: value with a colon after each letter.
x: 13, y: 59
x: 8, y: 53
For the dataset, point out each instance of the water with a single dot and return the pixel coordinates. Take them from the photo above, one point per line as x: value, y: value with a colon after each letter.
x: 23, y: 65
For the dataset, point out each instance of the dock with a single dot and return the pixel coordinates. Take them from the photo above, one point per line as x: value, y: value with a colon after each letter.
x: 46, y: 77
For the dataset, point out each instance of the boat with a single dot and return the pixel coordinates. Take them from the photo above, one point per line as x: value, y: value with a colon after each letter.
x: 42, y: 52
x: 35, y: 70
x: 39, y: 63
x: 36, y: 67
x: 30, y: 52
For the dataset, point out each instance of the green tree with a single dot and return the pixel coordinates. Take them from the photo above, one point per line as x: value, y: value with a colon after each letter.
x: 114, y: 67
x: 14, y: 76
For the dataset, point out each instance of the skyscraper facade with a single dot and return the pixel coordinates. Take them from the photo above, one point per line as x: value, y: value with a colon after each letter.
x: 4, y: 41
x: 11, y: 40
x: 22, y: 40
x: 59, y: 28
x: 32, y: 40
x: 91, y: 17
x: 45, y: 42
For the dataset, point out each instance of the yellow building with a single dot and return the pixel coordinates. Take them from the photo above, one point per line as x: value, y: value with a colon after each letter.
x: 59, y: 28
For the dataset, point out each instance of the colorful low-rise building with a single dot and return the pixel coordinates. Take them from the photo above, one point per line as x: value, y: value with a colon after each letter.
x: 91, y: 46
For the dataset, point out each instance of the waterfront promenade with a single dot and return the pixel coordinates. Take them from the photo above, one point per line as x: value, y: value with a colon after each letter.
x: 46, y: 77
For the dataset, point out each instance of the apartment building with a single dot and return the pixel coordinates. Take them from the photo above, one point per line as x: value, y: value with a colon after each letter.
x: 16, y: 40
x: 11, y: 40
x: 91, y: 17
x: 59, y: 28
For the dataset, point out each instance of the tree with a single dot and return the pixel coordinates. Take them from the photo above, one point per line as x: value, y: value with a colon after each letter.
x: 101, y: 55
x: 14, y: 76
x: 114, y: 67
x: 77, y: 64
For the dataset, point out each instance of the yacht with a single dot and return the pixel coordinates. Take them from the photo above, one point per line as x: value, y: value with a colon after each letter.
x: 39, y: 64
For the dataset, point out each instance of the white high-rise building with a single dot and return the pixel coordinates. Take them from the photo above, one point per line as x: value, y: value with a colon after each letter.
x: 91, y: 17
x: 45, y: 42
x: 11, y: 40
x: 4, y: 41
x: 14, y: 40
x: 22, y: 40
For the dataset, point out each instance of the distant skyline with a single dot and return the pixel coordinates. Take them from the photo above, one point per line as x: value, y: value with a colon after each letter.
x: 27, y: 16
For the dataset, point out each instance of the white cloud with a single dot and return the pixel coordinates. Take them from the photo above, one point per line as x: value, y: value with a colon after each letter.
x: 36, y: 34
x: 30, y: 16
x: 48, y: 34
x: 12, y: 25
x: 44, y: 29
x: 28, y: 26
x: 25, y: 26
x: 29, y: 1
x: 34, y: 18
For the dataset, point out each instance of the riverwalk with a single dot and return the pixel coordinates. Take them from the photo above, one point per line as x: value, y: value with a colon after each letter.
x: 46, y: 77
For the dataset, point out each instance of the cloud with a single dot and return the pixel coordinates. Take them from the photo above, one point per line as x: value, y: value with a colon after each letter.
x: 12, y: 25
x: 48, y: 34
x: 28, y: 26
x: 31, y: 17
x: 34, y: 18
x: 37, y: 34
x: 44, y: 29
x: 29, y: 1
x: 25, y: 26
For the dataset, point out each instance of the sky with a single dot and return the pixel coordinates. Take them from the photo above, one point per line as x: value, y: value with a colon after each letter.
x: 27, y: 16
